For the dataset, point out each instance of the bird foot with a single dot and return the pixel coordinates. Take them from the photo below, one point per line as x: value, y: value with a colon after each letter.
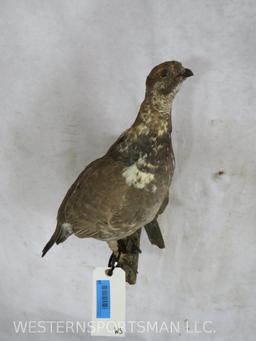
x: 128, y: 247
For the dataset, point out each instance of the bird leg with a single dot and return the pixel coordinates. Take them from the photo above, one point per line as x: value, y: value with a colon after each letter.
x: 126, y: 256
x: 128, y: 245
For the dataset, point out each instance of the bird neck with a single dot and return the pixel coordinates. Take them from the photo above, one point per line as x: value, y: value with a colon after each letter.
x: 149, y: 138
x: 155, y: 114
x: 158, y: 102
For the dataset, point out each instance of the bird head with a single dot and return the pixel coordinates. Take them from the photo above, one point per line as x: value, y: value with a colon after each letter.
x: 166, y: 78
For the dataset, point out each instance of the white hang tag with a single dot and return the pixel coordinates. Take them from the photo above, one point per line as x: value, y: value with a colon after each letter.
x: 108, y: 303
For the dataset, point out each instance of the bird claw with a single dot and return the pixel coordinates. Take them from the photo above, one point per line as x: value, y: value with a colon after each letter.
x: 113, y: 263
x: 112, y: 260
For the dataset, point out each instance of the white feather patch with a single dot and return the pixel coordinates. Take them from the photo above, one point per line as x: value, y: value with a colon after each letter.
x: 136, y: 178
x: 67, y: 228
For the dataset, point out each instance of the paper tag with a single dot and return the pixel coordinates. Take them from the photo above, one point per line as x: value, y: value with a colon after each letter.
x: 108, y: 303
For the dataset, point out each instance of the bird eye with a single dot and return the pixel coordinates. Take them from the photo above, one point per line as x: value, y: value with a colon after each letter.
x: 164, y: 73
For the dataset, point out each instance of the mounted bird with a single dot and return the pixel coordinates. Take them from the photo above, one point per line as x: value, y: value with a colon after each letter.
x: 128, y: 188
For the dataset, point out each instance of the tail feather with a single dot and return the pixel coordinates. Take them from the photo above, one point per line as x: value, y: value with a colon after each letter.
x: 61, y: 233
x: 52, y: 241
x: 154, y: 234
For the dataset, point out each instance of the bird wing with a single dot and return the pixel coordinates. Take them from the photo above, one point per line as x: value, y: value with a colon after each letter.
x: 74, y: 187
x: 102, y: 205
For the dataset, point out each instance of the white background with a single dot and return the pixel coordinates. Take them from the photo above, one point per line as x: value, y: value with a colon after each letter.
x: 71, y: 80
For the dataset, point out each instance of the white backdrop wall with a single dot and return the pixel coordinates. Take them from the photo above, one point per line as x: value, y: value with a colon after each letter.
x: 72, y: 77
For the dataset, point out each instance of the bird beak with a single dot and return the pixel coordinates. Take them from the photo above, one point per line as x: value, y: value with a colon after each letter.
x: 187, y: 73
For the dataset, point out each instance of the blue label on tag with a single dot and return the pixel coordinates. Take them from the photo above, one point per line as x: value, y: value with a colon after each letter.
x: 103, y: 298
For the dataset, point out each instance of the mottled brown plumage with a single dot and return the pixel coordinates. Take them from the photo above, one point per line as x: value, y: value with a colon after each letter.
x: 128, y: 187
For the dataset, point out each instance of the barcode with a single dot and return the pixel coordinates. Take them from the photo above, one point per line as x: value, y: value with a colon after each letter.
x: 103, y: 298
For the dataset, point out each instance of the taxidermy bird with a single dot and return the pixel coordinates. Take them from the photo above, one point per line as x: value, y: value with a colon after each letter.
x: 128, y: 188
